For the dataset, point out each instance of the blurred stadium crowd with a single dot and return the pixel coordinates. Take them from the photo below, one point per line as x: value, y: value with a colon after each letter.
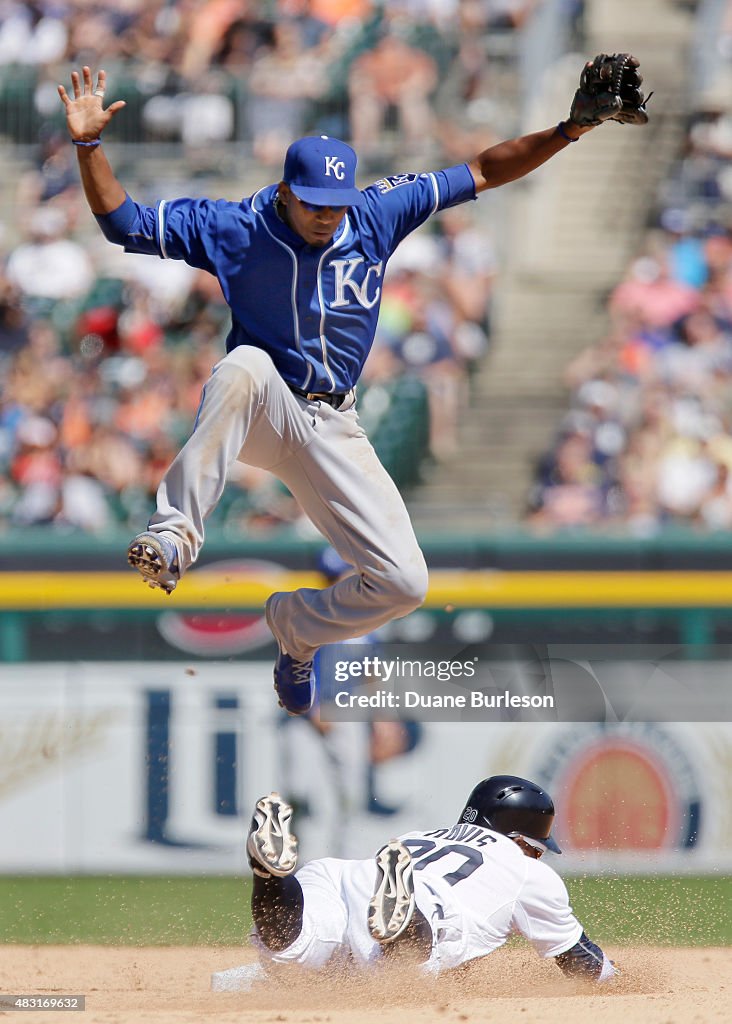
x: 203, y: 71
x: 103, y: 355
x: 647, y: 441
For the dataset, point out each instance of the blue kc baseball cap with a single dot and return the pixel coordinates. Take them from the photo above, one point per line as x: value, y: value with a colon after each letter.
x: 322, y: 170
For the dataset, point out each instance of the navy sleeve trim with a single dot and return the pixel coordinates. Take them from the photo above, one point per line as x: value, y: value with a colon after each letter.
x: 584, y: 959
x: 116, y: 225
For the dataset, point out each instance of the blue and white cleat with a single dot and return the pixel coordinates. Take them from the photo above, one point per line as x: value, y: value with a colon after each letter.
x: 392, y: 906
x: 156, y: 560
x: 294, y: 683
x: 271, y: 847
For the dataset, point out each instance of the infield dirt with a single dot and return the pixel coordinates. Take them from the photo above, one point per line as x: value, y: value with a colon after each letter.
x: 171, y: 985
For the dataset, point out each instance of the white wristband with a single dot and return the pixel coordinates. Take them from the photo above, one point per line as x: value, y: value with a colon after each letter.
x: 608, y: 970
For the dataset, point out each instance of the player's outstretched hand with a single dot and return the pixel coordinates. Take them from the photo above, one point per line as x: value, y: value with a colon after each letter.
x: 85, y: 116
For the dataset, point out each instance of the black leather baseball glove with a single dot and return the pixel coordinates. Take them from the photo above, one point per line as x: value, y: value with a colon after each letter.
x: 609, y: 90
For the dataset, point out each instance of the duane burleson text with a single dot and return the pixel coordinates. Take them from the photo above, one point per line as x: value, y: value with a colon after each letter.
x: 412, y: 699
x: 477, y: 699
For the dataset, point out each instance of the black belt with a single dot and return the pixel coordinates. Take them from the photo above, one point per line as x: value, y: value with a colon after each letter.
x: 336, y: 400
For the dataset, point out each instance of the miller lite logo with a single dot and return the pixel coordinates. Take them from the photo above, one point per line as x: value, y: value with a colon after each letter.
x: 335, y: 167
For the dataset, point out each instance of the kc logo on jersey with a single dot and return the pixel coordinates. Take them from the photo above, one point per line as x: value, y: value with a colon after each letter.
x: 344, y: 278
x: 336, y: 167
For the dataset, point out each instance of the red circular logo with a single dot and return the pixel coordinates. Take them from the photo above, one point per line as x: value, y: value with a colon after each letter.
x: 619, y: 798
x: 221, y: 633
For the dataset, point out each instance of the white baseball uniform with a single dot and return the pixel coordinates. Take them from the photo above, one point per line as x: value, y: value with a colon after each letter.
x: 474, y: 886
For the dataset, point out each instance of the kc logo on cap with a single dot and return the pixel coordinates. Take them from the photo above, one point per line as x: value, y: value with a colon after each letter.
x: 322, y: 170
x: 336, y: 166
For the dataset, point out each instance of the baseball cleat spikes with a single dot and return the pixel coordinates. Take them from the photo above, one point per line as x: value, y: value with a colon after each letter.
x: 271, y: 846
x: 392, y: 905
x: 156, y: 559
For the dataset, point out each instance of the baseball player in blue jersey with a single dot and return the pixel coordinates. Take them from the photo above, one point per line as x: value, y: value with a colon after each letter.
x: 301, y: 265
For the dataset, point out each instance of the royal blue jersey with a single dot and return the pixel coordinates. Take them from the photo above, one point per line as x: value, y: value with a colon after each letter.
x: 313, y: 309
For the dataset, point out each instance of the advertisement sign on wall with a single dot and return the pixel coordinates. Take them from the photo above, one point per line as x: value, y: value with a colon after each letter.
x: 155, y: 768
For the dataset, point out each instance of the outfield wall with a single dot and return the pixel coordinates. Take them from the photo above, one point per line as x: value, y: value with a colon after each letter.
x: 154, y: 768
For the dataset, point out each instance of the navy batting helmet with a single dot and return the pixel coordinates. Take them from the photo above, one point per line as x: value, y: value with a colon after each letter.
x: 514, y: 807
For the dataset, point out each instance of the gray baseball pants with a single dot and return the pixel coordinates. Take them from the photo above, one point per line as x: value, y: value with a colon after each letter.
x: 323, y: 456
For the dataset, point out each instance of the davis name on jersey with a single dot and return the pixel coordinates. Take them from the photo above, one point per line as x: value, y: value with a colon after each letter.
x: 481, y: 888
